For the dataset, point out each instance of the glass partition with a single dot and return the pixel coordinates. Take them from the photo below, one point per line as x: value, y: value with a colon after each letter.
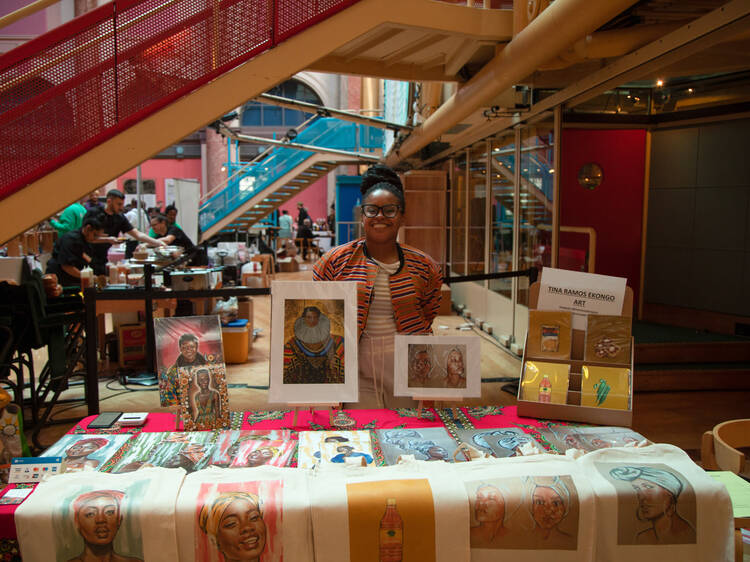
x: 477, y: 226
x: 458, y: 215
x: 535, y: 200
x: 502, y: 173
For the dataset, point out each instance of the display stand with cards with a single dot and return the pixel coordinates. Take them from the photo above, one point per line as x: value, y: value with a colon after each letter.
x: 578, y: 375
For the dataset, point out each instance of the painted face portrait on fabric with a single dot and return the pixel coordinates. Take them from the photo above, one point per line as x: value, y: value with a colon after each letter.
x: 97, y: 517
x: 660, y: 494
x: 234, y: 524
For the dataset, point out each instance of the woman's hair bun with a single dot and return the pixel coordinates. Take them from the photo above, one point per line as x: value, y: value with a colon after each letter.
x: 379, y: 173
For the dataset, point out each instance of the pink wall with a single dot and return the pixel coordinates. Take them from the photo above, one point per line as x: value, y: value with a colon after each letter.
x: 158, y: 170
x: 615, y: 208
x: 34, y: 24
x: 314, y: 199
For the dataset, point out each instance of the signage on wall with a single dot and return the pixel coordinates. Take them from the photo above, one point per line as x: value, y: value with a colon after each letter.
x: 580, y: 293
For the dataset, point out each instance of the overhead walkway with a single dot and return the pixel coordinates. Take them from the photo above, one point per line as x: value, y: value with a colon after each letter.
x: 258, y: 189
x: 97, y: 96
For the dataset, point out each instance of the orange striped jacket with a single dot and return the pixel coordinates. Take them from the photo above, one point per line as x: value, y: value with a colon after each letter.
x: 415, y: 287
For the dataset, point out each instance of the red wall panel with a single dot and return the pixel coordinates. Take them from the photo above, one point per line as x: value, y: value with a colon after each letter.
x: 159, y: 169
x: 615, y: 208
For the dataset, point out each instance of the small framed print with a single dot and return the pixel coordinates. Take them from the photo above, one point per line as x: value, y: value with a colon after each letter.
x: 437, y: 366
x: 204, y: 403
x: 313, y: 342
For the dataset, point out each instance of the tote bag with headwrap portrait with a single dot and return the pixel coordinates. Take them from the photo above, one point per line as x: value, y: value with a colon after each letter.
x: 654, y: 504
x: 528, y: 509
x: 260, y: 513
x: 393, y: 513
x: 119, y: 516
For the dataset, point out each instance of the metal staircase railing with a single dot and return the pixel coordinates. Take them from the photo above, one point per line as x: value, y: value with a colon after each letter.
x: 265, y: 176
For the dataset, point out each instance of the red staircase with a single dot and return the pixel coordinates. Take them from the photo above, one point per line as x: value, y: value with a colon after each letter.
x: 93, y: 77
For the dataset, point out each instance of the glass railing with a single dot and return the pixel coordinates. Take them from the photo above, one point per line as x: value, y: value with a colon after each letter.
x: 324, y: 132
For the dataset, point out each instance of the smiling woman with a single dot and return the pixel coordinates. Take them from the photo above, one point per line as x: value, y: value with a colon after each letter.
x: 398, y: 286
x: 234, y: 523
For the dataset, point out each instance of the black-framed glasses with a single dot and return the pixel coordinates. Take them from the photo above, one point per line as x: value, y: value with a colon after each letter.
x: 372, y: 211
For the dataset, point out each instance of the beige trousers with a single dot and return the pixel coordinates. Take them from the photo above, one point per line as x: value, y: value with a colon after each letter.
x: 376, y: 375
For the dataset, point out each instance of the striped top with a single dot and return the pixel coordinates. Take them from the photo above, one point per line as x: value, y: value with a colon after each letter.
x: 380, y: 321
x: 415, y: 286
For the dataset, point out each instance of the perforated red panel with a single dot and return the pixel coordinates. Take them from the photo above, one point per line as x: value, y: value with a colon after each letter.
x: 89, y: 79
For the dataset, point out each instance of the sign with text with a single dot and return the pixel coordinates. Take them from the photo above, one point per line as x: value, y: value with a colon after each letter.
x: 580, y: 293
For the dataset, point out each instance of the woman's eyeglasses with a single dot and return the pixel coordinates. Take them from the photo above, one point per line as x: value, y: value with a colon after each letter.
x: 372, y: 211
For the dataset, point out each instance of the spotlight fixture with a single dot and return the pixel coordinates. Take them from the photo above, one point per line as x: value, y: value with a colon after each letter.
x: 659, y: 83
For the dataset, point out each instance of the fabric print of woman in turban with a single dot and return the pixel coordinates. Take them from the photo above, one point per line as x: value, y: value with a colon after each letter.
x: 233, y: 521
x: 657, y: 491
x: 550, y: 503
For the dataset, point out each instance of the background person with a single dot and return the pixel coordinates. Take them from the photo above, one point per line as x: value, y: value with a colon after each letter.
x: 305, y: 235
x: 302, y: 214
x: 399, y: 286
x: 234, y: 524
x: 73, y: 251
x: 114, y: 223
x: 70, y: 219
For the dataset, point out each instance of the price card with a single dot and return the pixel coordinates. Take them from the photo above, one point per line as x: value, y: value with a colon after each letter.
x: 31, y: 469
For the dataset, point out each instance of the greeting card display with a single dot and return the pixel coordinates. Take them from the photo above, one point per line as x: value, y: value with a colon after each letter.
x: 608, y: 339
x: 605, y: 387
x: 545, y: 382
x: 550, y: 334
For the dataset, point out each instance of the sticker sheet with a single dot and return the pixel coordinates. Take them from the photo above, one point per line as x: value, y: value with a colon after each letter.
x: 128, y: 517
x: 654, y: 504
x: 608, y: 339
x: 191, y: 451
x: 500, y: 442
x: 257, y: 453
x: 259, y: 514
x: 86, y: 452
x: 335, y: 447
x: 550, y: 334
x: 426, y: 443
x: 228, y: 443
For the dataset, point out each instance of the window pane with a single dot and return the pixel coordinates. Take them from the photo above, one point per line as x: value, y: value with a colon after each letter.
x: 251, y: 114
x: 502, y: 174
x: 477, y: 208
x: 272, y: 116
x: 537, y: 154
x: 458, y: 216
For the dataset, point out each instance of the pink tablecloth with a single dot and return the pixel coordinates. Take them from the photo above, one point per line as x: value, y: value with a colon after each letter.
x: 456, y: 418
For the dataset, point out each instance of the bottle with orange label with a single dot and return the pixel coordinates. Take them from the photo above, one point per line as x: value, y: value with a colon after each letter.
x: 545, y: 390
x: 391, y: 533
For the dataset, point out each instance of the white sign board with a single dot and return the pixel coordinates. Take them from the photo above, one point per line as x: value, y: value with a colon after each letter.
x: 185, y: 194
x: 580, y: 293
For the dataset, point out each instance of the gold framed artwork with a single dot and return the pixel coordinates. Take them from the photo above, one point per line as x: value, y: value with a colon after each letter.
x: 545, y: 382
x: 608, y: 339
x: 550, y: 334
x: 605, y: 387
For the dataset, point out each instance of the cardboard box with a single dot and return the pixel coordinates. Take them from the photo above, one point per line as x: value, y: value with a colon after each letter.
x: 288, y: 264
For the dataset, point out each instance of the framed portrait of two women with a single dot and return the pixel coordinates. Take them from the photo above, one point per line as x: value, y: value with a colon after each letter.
x: 313, y: 342
x: 442, y: 367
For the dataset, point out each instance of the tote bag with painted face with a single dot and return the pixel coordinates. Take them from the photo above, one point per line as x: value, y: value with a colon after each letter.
x: 654, y: 504
x: 260, y: 513
x: 130, y: 516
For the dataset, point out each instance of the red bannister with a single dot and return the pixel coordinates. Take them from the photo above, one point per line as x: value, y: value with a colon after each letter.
x: 89, y: 79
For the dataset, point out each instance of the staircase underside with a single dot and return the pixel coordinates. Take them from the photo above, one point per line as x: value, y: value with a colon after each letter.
x: 407, y: 28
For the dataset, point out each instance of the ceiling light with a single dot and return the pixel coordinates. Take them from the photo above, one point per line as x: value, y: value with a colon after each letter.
x: 659, y: 83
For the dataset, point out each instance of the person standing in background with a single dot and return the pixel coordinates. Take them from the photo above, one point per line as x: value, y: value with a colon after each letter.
x: 302, y: 214
x: 70, y: 219
x: 93, y: 202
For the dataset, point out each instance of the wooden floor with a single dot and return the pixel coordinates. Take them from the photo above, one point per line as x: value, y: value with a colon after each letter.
x: 676, y: 417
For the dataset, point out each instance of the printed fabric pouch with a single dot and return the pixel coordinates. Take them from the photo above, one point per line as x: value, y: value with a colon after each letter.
x: 410, y: 511
x: 528, y: 509
x: 260, y: 513
x: 654, y: 504
x: 127, y: 515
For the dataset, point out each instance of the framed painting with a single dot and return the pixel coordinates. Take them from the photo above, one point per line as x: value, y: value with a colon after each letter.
x: 437, y: 366
x: 204, y: 403
x: 187, y: 341
x: 313, y: 342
